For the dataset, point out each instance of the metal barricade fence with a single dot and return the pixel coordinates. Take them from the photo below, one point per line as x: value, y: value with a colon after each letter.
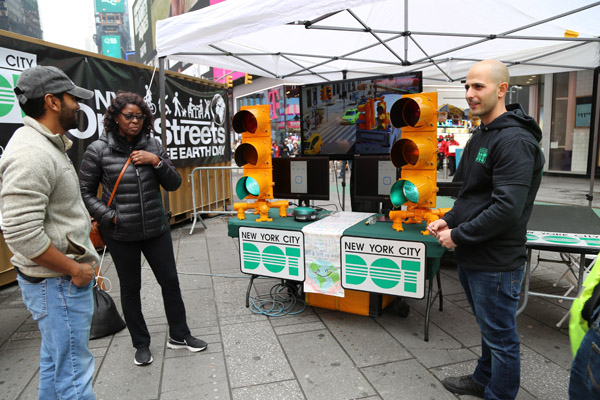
x: 215, y: 196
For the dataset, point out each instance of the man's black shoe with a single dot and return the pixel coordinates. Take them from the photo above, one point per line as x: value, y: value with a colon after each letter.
x: 463, y: 385
x: 143, y: 356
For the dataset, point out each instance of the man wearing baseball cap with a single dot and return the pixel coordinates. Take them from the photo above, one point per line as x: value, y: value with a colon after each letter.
x: 46, y: 226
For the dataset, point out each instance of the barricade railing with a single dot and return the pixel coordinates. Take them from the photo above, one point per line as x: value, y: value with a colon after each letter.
x: 216, y: 196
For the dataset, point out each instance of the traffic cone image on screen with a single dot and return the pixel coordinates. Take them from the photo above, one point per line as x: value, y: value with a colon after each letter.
x: 416, y: 154
x: 254, y: 154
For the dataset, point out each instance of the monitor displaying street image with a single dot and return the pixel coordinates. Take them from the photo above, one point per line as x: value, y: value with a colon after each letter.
x: 343, y: 118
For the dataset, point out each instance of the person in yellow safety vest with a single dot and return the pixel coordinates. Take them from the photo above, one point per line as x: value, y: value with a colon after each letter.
x: 584, y: 334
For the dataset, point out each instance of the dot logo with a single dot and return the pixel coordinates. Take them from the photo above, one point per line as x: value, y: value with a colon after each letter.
x: 272, y: 252
x: 394, y: 267
x: 8, y: 98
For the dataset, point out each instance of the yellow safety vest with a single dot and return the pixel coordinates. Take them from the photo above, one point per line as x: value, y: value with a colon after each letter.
x: 577, y: 325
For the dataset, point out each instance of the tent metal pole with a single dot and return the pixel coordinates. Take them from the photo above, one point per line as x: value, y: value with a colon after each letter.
x: 369, y: 30
x: 503, y: 34
x: 406, y: 29
x: 338, y: 57
x: 594, y: 161
x: 299, y: 65
x: 163, y: 120
x: 431, y: 60
x: 543, y: 21
x: 530, y: 63
x: 243, y: 60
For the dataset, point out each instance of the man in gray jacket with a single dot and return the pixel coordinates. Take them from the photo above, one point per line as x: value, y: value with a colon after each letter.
x: 46, y: 226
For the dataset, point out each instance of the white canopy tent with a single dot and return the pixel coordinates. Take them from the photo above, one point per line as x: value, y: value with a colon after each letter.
x: 320, y: 40
x: 327, y: 40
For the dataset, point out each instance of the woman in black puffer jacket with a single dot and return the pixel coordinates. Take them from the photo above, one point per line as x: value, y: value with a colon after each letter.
x: 135, y: 223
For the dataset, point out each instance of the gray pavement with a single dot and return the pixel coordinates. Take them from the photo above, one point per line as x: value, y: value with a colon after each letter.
x: 317, y: 354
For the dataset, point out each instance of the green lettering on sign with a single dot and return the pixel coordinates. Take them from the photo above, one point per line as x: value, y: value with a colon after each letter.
x: 356, y: 269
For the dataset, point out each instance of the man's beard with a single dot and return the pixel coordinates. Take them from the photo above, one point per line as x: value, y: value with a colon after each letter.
x: 68, y: 119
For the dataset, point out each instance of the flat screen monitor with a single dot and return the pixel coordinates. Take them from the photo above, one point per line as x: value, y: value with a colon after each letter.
x: 305, y: 178
x: 373, y: 177
x: 343, y: 118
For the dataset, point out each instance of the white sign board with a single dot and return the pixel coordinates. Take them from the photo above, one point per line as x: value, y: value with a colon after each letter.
x: 272, y: 252
x: 392, y: 267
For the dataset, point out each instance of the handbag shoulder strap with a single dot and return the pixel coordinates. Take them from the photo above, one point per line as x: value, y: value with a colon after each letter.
x: 118, y: 181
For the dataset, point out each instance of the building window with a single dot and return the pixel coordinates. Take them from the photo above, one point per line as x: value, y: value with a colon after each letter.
x: 571, y: 113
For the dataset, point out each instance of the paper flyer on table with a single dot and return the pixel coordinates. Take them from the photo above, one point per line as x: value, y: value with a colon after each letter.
x: 322, y: 252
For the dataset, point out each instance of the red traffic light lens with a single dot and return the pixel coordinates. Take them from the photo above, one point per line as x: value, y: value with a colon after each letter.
x: 405, y: 112
x: 244, y: 121
x: 404, y: 151
x: 411, y: 113
x: 245, y: 154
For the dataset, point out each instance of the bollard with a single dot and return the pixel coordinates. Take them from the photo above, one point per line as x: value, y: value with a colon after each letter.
x: 445, y: 167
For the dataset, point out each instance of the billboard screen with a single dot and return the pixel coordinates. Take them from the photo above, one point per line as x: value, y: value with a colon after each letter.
x: 110, y: 6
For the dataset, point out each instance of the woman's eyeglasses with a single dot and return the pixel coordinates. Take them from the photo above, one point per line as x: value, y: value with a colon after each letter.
x: 129, y: 117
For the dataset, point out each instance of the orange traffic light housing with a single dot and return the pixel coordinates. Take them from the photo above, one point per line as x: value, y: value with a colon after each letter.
x: 416, y: 154
x: 229, y: 81
x: 324, y: 93
x: 329, y: 93
x: 254, y: 155
x: 247, y: 79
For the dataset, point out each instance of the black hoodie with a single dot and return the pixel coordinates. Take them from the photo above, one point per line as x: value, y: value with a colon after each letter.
x: 501, y: 171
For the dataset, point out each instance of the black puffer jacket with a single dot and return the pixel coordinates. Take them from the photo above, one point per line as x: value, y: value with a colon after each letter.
x: 137, y: 202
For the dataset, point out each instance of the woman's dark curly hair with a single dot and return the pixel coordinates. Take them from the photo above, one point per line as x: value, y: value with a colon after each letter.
x: 121, y: 100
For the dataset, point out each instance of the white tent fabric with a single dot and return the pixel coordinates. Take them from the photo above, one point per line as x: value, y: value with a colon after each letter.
x: 288, y: 39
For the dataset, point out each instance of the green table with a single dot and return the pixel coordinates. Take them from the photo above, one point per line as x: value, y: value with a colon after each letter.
x: 378, y: 230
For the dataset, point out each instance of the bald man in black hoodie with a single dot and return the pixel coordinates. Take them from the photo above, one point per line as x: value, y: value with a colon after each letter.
x: 501, y: 171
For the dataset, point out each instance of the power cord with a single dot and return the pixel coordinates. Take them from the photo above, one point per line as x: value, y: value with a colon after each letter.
x: 283, y: 299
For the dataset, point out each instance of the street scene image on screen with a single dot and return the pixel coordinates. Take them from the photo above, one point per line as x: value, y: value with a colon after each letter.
x: 348, y: 117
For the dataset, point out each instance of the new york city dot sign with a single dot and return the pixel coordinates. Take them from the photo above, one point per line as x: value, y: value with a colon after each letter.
x: 272, y: 252
x: 392, y: 267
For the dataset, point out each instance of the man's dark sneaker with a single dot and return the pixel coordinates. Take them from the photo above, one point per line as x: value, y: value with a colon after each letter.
x: 189, y: 342
x: 464, y: 385
x: 143, y: 356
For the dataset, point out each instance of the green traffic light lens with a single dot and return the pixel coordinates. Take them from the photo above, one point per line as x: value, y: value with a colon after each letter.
x: 397, y: 193
x: 411, y: 192
x: 247, y: 186
x: 252, y: 186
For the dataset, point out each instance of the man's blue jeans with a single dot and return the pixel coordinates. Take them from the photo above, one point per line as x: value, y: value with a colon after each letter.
x: 63, y: 312
x: 585, y: 371
x: 494, y: 299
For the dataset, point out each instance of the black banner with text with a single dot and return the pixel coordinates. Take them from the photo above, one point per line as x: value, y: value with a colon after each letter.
x: 197, y: 119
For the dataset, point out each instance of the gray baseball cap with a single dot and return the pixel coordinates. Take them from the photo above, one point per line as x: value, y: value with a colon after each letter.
x: 36, y: 82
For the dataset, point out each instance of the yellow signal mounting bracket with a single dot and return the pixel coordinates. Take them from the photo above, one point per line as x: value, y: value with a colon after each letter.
x: 261, y: 207
x: 416, y: 216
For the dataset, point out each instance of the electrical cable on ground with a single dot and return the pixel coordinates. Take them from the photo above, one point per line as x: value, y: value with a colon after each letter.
x: 283, y: 299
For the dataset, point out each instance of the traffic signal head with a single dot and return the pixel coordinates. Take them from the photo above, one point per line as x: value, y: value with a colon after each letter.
x: 323, y: 93
x: 229, y: 81
x: 416, y: 151
x: 254, y: 154
x: 329, y: 93
x: 247, y: 79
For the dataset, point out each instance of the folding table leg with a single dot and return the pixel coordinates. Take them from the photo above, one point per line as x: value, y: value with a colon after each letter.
x: 439, y: 283
x: 428, y: 309
x: 248, y: 291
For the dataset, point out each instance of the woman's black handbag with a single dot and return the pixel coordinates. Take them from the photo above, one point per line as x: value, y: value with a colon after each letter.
x: 106, y: 319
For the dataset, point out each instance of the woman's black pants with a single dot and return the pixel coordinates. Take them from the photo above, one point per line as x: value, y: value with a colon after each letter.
x: 158, y: 251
